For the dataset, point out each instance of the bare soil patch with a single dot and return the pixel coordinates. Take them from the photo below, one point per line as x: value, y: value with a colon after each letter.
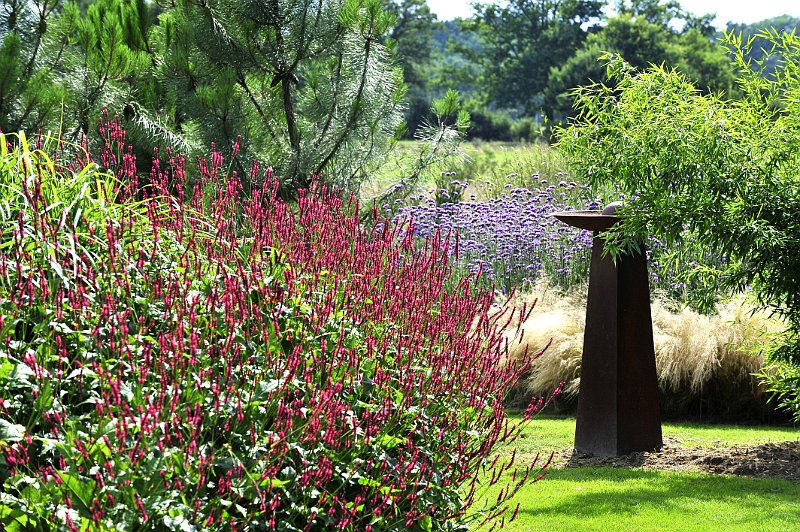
x: 779, y: 460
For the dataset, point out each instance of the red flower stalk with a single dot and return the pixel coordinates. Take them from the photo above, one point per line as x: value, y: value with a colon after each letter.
x: 243, y: 352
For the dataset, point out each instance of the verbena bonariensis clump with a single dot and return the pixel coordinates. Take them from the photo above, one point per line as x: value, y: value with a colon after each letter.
x: 196, y: 359
x: 514, y: 238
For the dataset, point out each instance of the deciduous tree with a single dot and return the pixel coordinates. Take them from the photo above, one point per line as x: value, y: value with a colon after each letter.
x: 411, y: 36
x: 723, y: 172
x: 523, y: 40
x: 644, y: 33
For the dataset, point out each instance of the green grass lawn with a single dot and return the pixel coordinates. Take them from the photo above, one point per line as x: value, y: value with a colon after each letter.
x: 544, y: 433
x: 605, y: 498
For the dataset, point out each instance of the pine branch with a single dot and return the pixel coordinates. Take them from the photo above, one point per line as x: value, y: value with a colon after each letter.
x: 157, y: 131
x: 354, y: 107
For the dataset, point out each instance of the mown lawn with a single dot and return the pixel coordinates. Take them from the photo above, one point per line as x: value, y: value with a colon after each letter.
x: 544, y: 433
x: 606, y: 498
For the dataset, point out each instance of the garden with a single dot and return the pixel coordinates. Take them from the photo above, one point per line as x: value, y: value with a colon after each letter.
x: 306, y: 326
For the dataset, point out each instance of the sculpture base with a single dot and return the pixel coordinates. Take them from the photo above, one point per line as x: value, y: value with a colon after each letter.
x: 618, y: 402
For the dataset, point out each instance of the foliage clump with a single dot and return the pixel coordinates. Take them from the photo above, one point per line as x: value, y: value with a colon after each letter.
x: 177, y: 356
x: 724, y: 172
x: 311, y: 86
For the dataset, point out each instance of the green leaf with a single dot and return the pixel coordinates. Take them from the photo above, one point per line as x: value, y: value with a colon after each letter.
x: 273, y: 483
x: 11, y: 431
x: 390, y: 442
x: 82, y: 488
x: 364, y: 481
x: 13, y: 519
x: 6, y: 368
x: 99, y: 449
x: 426, y: 523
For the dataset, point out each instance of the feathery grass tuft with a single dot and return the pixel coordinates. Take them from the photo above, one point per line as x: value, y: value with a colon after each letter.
x: 703, y: 362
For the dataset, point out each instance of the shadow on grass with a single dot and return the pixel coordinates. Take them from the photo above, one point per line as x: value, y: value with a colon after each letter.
x: 590, y: 496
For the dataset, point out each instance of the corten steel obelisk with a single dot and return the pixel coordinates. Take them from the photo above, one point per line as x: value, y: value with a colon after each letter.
x: 618, y: 400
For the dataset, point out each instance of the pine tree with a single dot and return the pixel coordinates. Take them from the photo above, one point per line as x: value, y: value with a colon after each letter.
x: 311, y: 86
x: 62, y: 63
x: 307, y: 83
x: 30, y: 96
x: 109, y: 56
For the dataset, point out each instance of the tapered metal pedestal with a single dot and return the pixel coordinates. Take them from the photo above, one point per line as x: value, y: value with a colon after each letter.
x: 618, y: 401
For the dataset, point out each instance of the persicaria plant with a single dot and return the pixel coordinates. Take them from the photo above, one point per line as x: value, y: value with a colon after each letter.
x: 175, y: 355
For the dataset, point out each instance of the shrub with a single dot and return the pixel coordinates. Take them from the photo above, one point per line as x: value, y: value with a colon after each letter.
x: 726, y: 169
x: 490, y: 125
x: 503, y: 125
x: 195, y: 359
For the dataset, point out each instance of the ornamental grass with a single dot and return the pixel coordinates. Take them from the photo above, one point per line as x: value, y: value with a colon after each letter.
x: 705, y: 364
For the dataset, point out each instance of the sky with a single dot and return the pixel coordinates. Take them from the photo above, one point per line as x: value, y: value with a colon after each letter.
x: 746, y: 11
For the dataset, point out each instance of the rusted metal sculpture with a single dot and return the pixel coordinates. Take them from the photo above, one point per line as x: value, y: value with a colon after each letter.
x: 618, y: 400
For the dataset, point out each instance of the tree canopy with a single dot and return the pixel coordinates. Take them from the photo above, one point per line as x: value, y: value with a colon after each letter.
x: 310, y: 85
x: 521, y: 41
x: 323, y: 86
